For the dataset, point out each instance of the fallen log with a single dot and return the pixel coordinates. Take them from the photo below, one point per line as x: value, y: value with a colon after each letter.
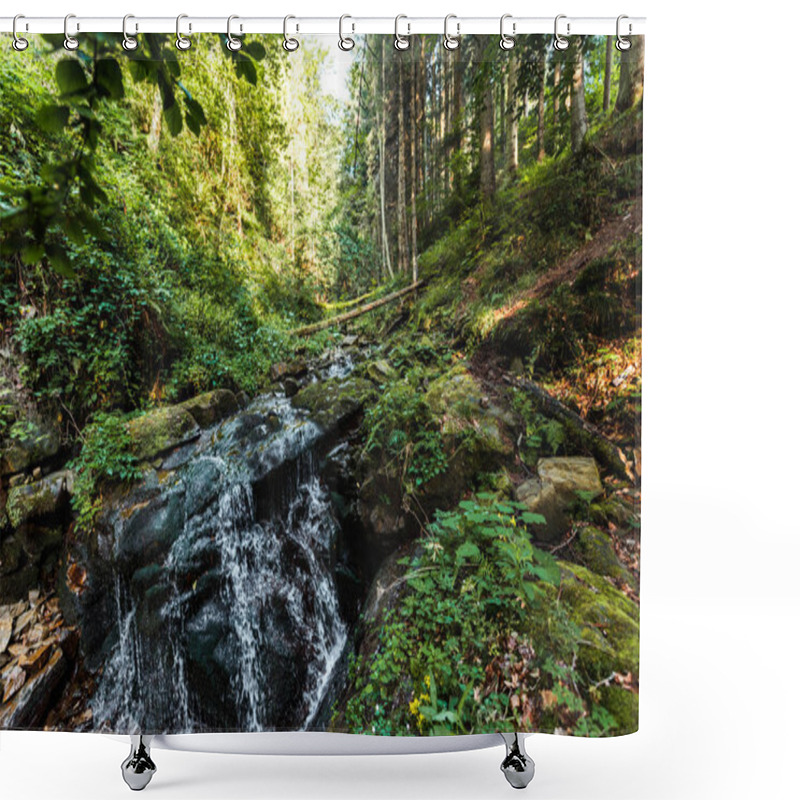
x: 603, y: 449
x: 356, y: 312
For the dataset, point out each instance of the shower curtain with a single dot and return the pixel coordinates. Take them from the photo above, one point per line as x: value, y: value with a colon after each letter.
x: 320, y: 384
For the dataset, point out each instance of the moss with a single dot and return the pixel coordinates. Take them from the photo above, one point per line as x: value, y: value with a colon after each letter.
x: 161, y: 430
x: 211, y: 407
x: 331, y: 402
x: 597, y: 553
x: 623, y: 705
x: 35, y: 500
x: 609, y: 622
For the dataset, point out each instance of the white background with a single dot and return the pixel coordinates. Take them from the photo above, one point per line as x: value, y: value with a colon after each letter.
x: 720, y: 575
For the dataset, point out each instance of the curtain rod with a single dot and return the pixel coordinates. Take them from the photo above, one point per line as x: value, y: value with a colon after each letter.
x: 578, y: 26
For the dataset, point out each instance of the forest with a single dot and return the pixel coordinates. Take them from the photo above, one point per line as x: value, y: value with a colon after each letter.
x: 353, y: 332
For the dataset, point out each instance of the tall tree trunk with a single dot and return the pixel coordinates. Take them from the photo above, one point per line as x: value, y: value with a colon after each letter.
x: 631, y: 75
x: 416, y: 66
x: 512, y: 125
x: 540, y: 110
x: 487, y: 129
x: 402, y: 240
x: 382, y: 156
x: 578, y: 122
x: 607, y: 73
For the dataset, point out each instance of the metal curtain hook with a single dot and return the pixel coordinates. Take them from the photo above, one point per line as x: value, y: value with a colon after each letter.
x: 182, y: 42
x: 559, y: 42
x: 129, y: 42
x: 290, y: 44
x: 506, y: 41
x: 232, y: 42
x: 70, y: 42
x: 19, y: 43
x: 346, y: 42
x: 451, y: 42
x: 401, y: 41
x: 623, y: 43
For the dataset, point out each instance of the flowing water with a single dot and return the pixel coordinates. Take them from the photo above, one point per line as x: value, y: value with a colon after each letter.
x: 227, y: 616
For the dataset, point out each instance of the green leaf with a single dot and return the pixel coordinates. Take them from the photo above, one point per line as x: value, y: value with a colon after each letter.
x: 245, y: 68
x: 52, y: 118
x: 32, y: 254
x: 60, y: 260
x: 532, y: 519
x: 255, y: 50
x: 109, y: 76
x: 174, y: 118
x: 468, y: 550
x: 70, y: 76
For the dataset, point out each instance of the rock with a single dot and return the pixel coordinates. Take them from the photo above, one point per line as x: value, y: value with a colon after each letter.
x: 597, y: 553
x: 291, y: 387
x: 608, y: 619
x: 541, y: 498
x: 161, y: 430
x: 6, y: 629
x: 29, y: 705
x: 35, y: 659
x: 212, y: 407
x: 623, y: 705
x: 151, y: 528
x: 455, y: 398
x: 348, y: 341
x: 23, y: 621
x: 38, y: 499
x: 284, y: 369
x: 18, y: 583
x: 40, y: 443
x: 10, y: 556
x: 37, y: 473
x: 571, y: 475
x: 13, y: 680
x: 242, y: 399
x: 381, y: 371
x: 555, y: 489
x: 334, y: 401
x: 18, y: 480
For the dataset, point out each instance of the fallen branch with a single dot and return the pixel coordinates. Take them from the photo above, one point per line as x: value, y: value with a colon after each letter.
x: 356, y: 312
x: 603, y: 449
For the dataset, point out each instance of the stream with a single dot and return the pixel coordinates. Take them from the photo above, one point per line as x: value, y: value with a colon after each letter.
x: 220, y: 582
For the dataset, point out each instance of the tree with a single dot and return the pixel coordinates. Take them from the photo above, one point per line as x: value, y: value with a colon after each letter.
x: 578, y: 121
x: 631, y: 75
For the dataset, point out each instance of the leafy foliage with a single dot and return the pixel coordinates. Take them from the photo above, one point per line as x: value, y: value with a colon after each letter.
x: 105, y: 459
x: 478, y: 641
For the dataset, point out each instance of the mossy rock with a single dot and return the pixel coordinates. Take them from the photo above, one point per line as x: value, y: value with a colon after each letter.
x: 381, y: 371
x: 334, y: 401
x: 597, y: 552
x: 161, y: 430
x: 39, y: 444
x: 38, y: 499
x: 609, y: 622
x: 211, y: 407
x: 623, y: 705
x: 458, y: 400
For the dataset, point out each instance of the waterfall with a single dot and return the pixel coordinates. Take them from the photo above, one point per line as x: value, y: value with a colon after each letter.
x: 235, y: 623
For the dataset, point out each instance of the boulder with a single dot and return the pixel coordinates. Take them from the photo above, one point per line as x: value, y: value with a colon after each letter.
x: 597, y: 552
x: 35, y: 500
x: 558, y: 484
x: 38, y: 444
x: 30, y: 703
x: 571, y: 476
x: 331, y: 403
x: 161, y: 430
x: 608, y: 619
x: 380, y: 371
x: 212, y: 407
x: 456, y: 398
